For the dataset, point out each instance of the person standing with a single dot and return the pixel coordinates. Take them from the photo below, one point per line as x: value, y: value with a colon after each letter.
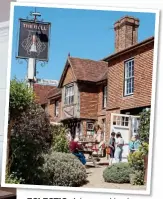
x: 99, y: 138
x: 119, y: 147
x: 111, y: 148
x: 98, y: 133
x: 134, y: 144
x: 131, y: 144
x: 137, y: 142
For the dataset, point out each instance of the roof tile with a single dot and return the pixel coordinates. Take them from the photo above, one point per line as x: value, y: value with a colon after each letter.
x: 88, y: 70
x: 41, y: 92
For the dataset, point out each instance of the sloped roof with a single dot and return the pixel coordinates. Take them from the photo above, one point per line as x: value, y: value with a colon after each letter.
x: 41, y: 92
x: 104, y: 76
x: 54, y: 92
x: 85, y: 69
x: 129, y: 49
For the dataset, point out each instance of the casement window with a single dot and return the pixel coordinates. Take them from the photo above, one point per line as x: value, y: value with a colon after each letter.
x: 129, y: 77
x: 104, y: 96
x: 56, y: 108
x: 69, y: 94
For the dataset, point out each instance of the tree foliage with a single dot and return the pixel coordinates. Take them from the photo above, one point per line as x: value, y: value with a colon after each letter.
x: 144, y: 127
x: 31, y: 136
x: 20, y: 98
x: 60, y: 141
x: 136, y: 162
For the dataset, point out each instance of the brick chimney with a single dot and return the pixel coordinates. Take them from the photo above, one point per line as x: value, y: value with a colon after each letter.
x: 126, y: 32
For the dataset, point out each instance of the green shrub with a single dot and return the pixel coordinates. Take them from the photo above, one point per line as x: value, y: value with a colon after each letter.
x: 55, y: 129
x: 62, y: 169
x: 20, y: 98
x: 60, y: 142
x: 13, y: 179
x: 144, y: 148
x: 117, y: 173
x: 137, y: 178
x: 30, y: 138
x: 144, y: 127
x: 136, y: 160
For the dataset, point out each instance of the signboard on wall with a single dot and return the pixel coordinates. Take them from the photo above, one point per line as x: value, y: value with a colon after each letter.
x: 33, y: 40
x: 47, y: 82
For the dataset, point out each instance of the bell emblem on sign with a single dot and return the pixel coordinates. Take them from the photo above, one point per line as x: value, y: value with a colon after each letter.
x: 33, y: 47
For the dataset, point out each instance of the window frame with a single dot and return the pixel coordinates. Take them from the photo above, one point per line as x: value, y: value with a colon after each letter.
x: 129, y: 76
x: 104, y: 97
x: 70, y: 95
x: 56, y: 111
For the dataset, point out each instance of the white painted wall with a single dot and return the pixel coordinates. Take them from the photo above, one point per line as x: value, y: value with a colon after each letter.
x: 4, y: 28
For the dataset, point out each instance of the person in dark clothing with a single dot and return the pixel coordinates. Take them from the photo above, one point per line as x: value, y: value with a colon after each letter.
x: 75, y: 149
x: 111, y: 147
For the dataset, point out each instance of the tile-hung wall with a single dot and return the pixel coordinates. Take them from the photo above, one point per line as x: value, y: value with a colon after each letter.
x: 4, y: 28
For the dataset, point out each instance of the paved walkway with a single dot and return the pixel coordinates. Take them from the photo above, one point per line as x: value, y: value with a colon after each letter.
x: 95, y: 178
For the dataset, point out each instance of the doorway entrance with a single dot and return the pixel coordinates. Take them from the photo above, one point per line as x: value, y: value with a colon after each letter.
x: 127, y: 125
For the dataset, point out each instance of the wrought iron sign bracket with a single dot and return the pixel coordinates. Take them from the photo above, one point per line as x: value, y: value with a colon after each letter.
x: 20, y: 60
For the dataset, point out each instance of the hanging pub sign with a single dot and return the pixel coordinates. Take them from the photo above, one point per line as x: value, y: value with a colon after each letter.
x: 33, y: 40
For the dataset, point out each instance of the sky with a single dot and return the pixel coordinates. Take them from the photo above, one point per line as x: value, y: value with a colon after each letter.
x: 82, y: 33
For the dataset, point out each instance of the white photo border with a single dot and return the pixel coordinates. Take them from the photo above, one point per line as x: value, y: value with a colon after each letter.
x: 152, y: 117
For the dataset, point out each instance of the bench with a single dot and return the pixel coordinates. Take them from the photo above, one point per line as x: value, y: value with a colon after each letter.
x: 90, y: 157
x: 88, y: 148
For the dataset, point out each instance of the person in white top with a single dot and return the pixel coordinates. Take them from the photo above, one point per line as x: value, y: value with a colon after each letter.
x: 98, y: 133
x: 119, y: 148
x: 98, y: 137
